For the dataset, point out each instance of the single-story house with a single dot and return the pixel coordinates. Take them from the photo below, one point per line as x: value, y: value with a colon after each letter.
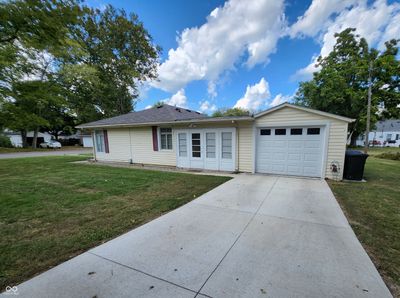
x: 386, y: 133
x: 287, y: 139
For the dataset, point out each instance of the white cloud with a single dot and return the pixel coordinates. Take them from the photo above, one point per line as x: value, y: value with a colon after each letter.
x: 206, y: 107
x: 148, y: 107
x: 179, y: 99
x: 377, y: 23
x: 248, y: 28
x: 255, y: 96
x: 317, y: 15
x: 280, y: 99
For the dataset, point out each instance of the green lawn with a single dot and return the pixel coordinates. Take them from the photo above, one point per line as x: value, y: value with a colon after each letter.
x: 373, y: 210
x: 13, y: 150
x: 52, y: 210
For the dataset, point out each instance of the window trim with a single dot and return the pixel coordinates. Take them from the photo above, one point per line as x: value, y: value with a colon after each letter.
x: 96, y: 134
x: 159, y: 139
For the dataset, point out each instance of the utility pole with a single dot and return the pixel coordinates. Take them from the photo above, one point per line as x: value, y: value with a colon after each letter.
x: 368, y: 108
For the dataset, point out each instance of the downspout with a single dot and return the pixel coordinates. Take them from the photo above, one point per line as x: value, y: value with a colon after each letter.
x: 130, y: 144
x: 237, y: 148
x: 94, y: 145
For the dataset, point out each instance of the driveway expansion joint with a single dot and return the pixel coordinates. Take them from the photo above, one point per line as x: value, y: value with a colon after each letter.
x: 238, y: 237
x: 142, y: 272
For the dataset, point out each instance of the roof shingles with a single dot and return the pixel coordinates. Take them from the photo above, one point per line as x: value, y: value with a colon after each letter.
x: 162, y: 113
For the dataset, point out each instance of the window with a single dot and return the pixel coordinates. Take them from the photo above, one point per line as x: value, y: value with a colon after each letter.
x: 100, y: 145
x: 210, y: 144
x: 397, y: 136
x: 280, y: 131
x: 313, y: 131
x: 227, y: 145
x: 296, y: 131
x: 182, y: 144
x: 265, y: 132
x: 388, y: 137
x: 196, y: 145
x: 166, y: 138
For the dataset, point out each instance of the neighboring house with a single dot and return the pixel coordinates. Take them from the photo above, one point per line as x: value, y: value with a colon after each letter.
x: 16, y: 139
x: 287, y: 139
x: 87, y: 140
x: 387, y: 133
x: 80, y: 137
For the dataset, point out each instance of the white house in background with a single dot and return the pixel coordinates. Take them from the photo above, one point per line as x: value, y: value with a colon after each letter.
x: 87, y: 140
x: 286, y: 139
x: 16, y: 139
x: 386, y: 134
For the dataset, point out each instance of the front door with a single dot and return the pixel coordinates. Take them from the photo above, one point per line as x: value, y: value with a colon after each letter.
x: 196, y: 152
x: 211, y: 149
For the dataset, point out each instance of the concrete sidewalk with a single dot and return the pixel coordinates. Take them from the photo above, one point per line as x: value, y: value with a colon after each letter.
x: 254, y: 236
x: 56, y: 152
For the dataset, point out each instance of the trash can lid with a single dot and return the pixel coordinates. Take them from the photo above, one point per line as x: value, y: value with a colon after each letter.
x: 354, y: 153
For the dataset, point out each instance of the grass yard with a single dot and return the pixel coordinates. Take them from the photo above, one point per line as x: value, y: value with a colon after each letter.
x: 373, y: 210
x: 52, y: 210
x: 18, y: 149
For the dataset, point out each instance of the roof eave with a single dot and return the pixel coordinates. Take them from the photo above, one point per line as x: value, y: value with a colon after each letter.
x: 283, y: 105
x: 200, y: 120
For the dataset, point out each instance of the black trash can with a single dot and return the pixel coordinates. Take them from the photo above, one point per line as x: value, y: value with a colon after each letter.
x: 354, y: 163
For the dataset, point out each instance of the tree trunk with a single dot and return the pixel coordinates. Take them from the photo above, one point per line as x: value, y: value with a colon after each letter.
x: 34, y: 141
x: 24, y: 139
x: 353, y: 141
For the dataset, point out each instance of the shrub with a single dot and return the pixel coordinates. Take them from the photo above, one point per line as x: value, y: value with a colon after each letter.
x: 5, y: 141
x: 390, y: 155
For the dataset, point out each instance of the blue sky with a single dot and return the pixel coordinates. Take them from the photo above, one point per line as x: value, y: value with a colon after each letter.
x: 249, y: 54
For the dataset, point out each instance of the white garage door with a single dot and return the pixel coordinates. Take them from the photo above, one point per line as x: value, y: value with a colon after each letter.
x: 290, y: 151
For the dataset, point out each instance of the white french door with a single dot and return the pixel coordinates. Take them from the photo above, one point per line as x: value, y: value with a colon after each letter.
x: 211, y: 149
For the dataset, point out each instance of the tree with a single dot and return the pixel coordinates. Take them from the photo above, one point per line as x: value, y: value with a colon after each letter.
x: 341, y: 85
x: 118, y: 54
x: 231, y: 112
x: 34, y: 39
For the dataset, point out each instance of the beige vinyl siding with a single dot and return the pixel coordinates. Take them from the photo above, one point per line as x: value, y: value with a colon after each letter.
x: 118, y: 144
x: 142, y: 148
x: 245, y: 147
x: 337, y: 133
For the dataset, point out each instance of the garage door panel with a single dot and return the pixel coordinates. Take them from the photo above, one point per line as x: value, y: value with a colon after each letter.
x: 311, y: 157
x: 279, y: 144
x: 299, y: 155
x: 312, y: 144
x: 295, y: 144
x: 279, y: 156
x: 294, y: 156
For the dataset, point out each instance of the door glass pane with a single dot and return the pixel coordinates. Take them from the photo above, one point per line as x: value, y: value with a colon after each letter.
x: 313, y: 131
x: 227, y: 145
x: 182, y: 145
x: 196, y: 146
x: 210, y: 144
x: 280, y: 131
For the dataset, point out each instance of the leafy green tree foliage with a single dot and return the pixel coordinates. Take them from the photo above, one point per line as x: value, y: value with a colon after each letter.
x: 118, y: 55
x: 341, y: 85
x: 35, y: 37
x: 231, y: 112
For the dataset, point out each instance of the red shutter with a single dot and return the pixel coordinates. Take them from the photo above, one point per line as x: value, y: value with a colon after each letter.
x: 155, y: 138
x: 106, y: 147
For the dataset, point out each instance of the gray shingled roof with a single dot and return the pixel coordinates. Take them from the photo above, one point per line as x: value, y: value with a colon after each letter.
x: 163, y: 113
x: 388, y: 125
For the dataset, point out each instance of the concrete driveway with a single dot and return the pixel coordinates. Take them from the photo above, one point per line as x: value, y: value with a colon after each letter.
x: 254, y: 236
x: 46, y: 153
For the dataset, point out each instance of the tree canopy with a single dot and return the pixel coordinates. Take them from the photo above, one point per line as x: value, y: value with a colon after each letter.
x: 231, y: 112
x: 341, y: 85
x: 61, y: 60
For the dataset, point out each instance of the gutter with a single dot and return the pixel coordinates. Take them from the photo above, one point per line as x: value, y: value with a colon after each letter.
x: 212, y: 120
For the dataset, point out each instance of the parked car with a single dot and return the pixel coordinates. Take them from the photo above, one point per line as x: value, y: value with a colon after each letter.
x: 51, y: 144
